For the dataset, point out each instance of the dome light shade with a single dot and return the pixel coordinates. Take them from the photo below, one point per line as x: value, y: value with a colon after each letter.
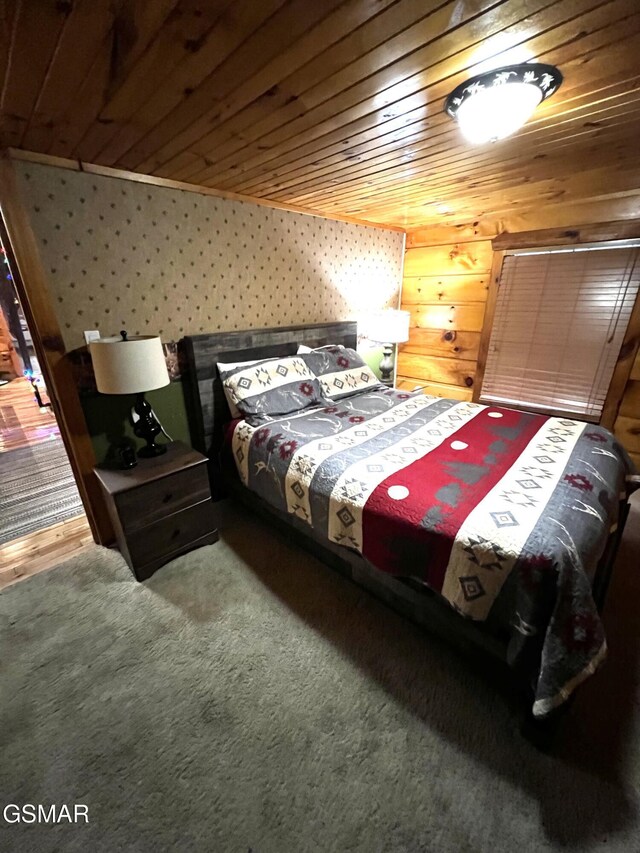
x: 497, y: 112
x: 491, y: 106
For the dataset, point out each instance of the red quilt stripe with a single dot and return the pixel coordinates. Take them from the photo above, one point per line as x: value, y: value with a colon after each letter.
x: 414, y: 535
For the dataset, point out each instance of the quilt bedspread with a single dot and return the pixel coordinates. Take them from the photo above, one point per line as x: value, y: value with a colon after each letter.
x: 505, y: 514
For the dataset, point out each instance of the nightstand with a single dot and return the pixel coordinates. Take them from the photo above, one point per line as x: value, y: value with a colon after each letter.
x: 161, y: 508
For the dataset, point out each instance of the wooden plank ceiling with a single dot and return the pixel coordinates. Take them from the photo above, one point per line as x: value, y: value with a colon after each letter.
x: 332, y: 105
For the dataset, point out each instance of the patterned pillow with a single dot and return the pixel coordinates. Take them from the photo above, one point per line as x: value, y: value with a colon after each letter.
x: 226, y: 368
x: 341, y: 372
x: 277, y: 386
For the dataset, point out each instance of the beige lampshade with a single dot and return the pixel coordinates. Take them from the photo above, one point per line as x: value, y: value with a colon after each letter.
x: 388, y: 327
x: 128, y: 367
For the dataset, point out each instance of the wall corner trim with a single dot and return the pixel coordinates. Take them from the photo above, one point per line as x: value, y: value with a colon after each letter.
x: 33, y: 290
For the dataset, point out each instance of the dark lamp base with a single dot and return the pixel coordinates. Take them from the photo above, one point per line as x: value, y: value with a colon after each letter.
x: 151, y: 450
x: 147, y: 427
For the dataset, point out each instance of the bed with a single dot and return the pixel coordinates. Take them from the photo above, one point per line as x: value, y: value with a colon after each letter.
x: 495, y: 527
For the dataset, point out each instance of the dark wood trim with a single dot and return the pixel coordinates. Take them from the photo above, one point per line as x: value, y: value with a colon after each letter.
x: 487, y: 324
x: 602, y: 232
x: 33, y: 291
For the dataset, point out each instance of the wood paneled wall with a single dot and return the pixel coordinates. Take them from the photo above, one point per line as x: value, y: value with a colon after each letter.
x: 445, y: 289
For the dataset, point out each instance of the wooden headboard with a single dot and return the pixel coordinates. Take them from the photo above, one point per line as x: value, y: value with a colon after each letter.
x: 206, y: 403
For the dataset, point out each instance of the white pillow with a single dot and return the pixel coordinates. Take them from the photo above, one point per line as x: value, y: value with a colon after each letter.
x: 302, y: 349
x: 231, y: 365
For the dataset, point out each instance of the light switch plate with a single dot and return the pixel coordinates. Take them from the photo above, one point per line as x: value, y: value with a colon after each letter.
x: 92, y: 335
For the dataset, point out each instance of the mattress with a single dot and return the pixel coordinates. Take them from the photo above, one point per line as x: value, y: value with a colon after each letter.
x: 504, y: 514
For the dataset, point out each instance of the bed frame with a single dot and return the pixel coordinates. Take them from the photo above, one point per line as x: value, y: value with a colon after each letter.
x: 209, y: 413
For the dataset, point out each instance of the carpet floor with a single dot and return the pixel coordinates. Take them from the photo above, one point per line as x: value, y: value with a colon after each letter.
x: 38, y: 489
x: 247, y: 698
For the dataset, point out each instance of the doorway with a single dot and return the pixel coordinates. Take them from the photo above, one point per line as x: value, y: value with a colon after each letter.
x: 42, y: 520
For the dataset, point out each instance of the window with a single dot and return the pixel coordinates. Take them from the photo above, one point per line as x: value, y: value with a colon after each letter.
x: 560, y: 319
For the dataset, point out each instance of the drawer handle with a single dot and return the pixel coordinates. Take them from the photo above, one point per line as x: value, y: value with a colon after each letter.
x: 175, y: 533
x: 167, y: 497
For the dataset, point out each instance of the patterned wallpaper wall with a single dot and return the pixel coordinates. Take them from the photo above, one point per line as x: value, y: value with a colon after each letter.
x: 153, y: 260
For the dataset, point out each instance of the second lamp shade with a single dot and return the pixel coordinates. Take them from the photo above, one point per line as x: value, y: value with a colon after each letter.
x: 388, y: 327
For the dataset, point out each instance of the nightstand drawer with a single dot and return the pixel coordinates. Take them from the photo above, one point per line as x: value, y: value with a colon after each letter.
x: 170, y: 535
x: 147, y: 504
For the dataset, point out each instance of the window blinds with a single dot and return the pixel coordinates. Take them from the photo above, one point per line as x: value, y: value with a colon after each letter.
x: 559, y: 324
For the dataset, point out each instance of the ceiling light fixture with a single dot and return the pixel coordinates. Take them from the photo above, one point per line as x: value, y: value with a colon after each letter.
x: 493, y: 105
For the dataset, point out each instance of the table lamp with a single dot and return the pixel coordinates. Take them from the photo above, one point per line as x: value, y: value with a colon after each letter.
x: 389, y: 328
x: 124, y: 365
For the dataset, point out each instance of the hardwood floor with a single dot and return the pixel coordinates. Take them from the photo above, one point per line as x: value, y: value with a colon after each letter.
x: 21, y: 421
x: 37, y: 552
x: 22, y: 424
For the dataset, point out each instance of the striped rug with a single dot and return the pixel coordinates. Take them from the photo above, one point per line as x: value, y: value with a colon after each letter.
x: 37, y: 489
